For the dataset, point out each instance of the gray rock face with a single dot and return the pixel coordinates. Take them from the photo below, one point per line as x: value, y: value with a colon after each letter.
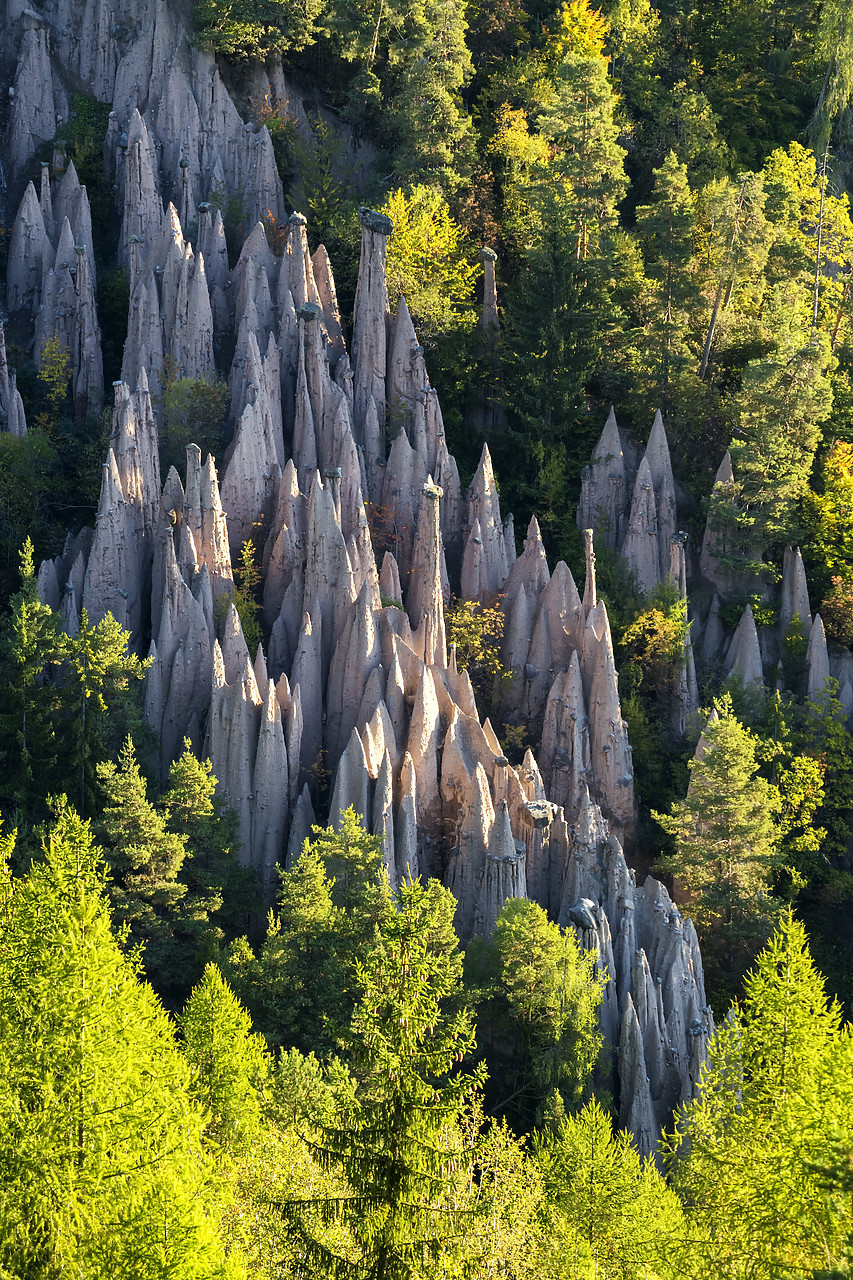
x: 714, y: 542
x: 641, y: 547
x: 28, y: 245
x: 357, y: 687
x: 39, y: 104
x: 795, y: 592
x: 369, y: 320
x: 744, y: 656
x: 604, y: 488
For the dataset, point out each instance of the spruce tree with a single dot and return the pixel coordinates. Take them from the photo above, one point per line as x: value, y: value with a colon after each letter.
x: 101, y: 1168
x: 398, y: 1135
x: 174, y: 868
x: 220, y: 893
x: 32, y: 645
x: 726, y: 835
x: 145, y: 859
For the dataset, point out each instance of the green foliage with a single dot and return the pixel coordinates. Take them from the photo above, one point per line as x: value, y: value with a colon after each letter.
x: 220, y: 892
x: 98, y: 700
x: 834, y: 47
x: 428, y: 262
x: 326, y: 189
x: 747, y: 1154
x: 726, y: 846
x: 609, y: 1213
x: 247, y: 581
x: 102, y: 1168
x: 403, y: 1126
x: 243, y: 30
x: 477, y: 631
x: 55, y: 376
x: 666, y: 227
x: 29, y: 476
x: 828, y: 522
x: 163, y: 900
x: 538, y: 996
x: 194, y: 412
x: 144, y: 858
x: 82, y: 138
x: 301, y: 987
x: 32, y: 646
x: 229, y: 1063
x: 409, y: 64
x: 654, y: 642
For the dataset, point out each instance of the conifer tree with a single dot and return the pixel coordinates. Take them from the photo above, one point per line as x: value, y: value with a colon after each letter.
x: 538, y: 1000
x: 748, y: 1153
x: 32, y: 647
x: 560, y: 309
x: 606, y: 1207
x: 217, y: 885
x: 399, y: 1134
x: 99, y: 702
x: 301, y: 988
x: 783, y: 400
x: 229, y: 1062
x: 726, y: 845
x: 144, y: 858
x: 666, y: 228
x: 101, y: 1168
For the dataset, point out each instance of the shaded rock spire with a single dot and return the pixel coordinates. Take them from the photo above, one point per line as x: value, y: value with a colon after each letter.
x: 370, y: 317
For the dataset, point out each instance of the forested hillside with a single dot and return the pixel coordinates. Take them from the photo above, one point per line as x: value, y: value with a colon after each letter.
x: 374, y: 900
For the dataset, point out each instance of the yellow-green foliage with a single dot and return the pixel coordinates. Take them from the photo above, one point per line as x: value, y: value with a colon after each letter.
x: 54, y: 375
x: 429, y: 261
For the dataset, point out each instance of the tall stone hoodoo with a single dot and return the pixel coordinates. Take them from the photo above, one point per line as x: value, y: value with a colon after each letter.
x: 339, y: 470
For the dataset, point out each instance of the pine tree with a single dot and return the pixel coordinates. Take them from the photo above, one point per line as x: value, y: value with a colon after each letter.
x: 666, y: 227
x: 726, y: 845
x: 747, y: 1154
x: 101, y: 1168
x: 229, y: 1063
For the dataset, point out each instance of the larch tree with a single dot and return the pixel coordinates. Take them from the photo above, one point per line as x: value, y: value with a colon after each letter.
x: 229, y: 1062
x: 609, y: 1212
x: 102, y: 1172
x: 749, y: 1154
